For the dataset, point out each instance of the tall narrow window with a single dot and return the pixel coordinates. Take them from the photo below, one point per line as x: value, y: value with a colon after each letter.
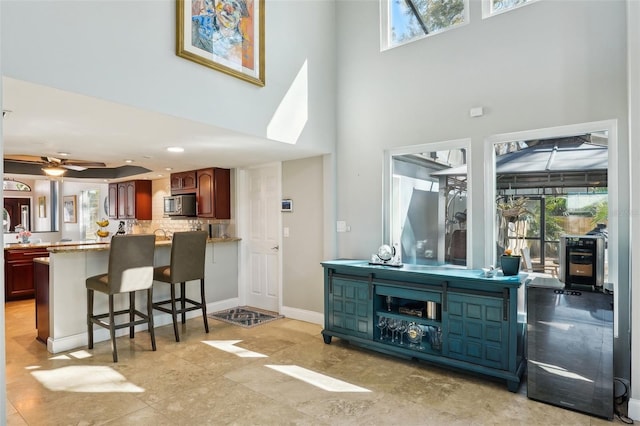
x: 90, y: 213
x: 404, y: 21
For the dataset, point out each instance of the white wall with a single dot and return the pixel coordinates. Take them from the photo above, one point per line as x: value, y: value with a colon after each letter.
x: 124, y: 51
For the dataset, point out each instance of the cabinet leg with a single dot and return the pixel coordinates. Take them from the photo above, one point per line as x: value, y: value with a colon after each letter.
x: 513, y: 386
x: 327, y: 338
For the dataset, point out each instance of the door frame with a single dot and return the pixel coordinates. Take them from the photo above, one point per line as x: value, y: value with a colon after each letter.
x: 243, y: 225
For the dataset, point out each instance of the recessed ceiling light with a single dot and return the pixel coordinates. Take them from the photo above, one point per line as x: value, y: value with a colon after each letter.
x: 63, y: 154
x: 160, y: 175
x: 168, y: 169
x: 128, y: 161
x: 175, y: 149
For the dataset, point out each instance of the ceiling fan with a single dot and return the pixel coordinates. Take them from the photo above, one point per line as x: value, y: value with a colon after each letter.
x: 53, y: 166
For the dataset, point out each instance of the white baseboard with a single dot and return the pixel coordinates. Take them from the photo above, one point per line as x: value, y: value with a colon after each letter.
x: 303, y: 315
x: 77, y: 341
x: 634, y: 409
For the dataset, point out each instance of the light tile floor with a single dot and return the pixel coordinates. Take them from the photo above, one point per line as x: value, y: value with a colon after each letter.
x: 191, y: 383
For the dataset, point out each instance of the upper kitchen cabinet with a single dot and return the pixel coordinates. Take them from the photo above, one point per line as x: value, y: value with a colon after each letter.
x: 214, y: 193
x: 130, y: 200
x: 183, y: 182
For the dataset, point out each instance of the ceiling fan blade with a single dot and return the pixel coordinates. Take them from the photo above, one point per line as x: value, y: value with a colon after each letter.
x: 74, y: 167
x: 24, y: 158
x: 78, y: 165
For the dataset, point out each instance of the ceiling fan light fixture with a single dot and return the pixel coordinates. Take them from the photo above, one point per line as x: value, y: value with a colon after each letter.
x: 53, y: 171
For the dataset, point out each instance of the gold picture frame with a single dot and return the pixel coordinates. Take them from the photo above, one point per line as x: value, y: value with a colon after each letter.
x: 226, y: 35
x: 69, y: 209
x: 42, y: 206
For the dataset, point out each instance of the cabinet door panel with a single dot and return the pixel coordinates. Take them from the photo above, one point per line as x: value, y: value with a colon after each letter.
x: 122, y: 200
x: 113, y: 201
x: 351, y: 308
x: 205, y: 193
x: 19, y: 279
x: 476, y: 331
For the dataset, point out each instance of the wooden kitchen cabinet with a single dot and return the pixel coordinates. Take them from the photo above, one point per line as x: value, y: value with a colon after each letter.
x: 113, y: 201
x: 18, y: 271
x: 214, y: 193
x: 130, y: 200
x: 41, y: 280
x: 183, y: 182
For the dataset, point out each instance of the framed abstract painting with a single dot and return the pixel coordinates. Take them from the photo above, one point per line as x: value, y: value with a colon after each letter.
x: 226, y: 35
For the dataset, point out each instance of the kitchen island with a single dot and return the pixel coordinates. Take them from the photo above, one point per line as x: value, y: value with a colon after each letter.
x: 441, y: 314
x: 69, y: 266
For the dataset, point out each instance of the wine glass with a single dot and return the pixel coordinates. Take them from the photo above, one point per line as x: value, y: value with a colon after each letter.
x: 402, y: 328
x: 382, y: 324
x: 392, y: 325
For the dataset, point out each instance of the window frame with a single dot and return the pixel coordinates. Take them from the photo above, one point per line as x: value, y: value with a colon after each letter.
x: 385, y: 26
x: 611, y: 126
x: 488, y: 12
x: 416, y: 149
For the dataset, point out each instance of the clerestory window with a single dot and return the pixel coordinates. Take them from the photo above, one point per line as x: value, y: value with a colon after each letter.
x: 495, y: 7
x: 403, y: 21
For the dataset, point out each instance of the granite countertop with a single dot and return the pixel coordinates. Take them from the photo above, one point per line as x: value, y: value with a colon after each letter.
x: 47, y: 245
x: 160, y: 242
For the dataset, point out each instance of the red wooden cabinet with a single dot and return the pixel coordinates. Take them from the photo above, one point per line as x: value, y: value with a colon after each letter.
x: 183, y: 182
x: 214, y: 193
x: 18, y: 271
x: 130, y: 200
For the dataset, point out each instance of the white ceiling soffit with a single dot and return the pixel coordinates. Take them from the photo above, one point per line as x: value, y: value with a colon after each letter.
x: 44, y: 121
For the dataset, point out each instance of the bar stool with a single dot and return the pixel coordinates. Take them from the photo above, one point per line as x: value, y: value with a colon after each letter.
x: 187, y: 264
x: 130, y: 270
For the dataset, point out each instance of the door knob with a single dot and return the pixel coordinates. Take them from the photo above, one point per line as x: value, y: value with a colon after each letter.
x: 275, y: 248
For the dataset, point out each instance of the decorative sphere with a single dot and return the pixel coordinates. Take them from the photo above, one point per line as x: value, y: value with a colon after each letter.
x: 385, y: 252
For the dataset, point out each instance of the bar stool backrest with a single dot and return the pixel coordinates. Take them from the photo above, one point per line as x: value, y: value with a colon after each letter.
x: 187, y: 256
x: 131, y: 263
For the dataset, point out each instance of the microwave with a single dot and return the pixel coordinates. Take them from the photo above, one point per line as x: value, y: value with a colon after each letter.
x: 180, y: 205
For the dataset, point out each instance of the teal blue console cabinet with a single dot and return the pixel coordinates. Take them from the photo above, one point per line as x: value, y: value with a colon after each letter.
x: 445, y: 315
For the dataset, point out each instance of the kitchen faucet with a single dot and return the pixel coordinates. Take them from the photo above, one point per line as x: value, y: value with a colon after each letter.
x: 166, y: 234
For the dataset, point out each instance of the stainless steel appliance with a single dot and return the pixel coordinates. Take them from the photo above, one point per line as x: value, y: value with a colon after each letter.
x: 570, y: 348
x: 582, y: 261
x: 180, y: 205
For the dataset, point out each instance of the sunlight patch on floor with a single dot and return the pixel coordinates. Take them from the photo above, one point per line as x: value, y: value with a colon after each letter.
x: 316, y: 379
x: 229, y: 346
x: 85, y: 379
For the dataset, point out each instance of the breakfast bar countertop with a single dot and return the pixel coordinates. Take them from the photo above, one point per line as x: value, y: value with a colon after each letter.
x: 9, y: 246
x: 99, y: 246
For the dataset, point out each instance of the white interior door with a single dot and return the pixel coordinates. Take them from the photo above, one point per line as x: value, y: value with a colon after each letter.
x: 263, y: 286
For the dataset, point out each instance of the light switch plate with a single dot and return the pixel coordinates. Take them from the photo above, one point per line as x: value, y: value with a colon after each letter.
x: 341, y: 226
x: 285, y: 231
